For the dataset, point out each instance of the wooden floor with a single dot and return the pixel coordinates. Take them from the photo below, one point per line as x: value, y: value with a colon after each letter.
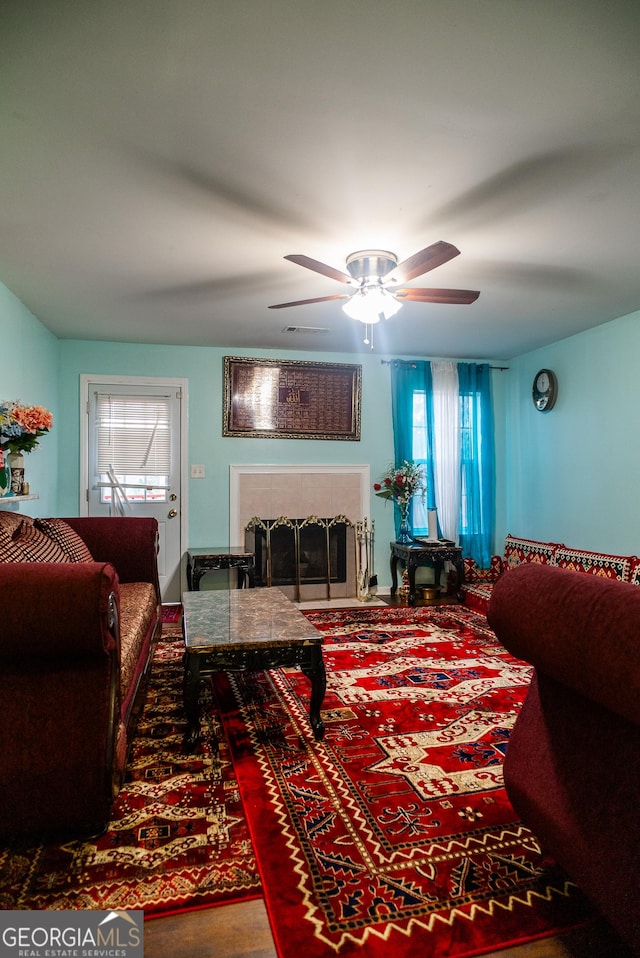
x: 242, y: 931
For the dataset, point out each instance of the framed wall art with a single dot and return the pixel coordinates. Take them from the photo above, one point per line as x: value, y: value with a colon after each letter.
x: 284, y: 399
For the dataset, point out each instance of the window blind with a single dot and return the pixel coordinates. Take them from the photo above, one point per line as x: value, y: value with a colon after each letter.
x: 133, y: 435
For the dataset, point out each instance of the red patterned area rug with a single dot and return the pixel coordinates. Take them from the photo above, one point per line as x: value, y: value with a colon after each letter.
x: 178, y: 839
x: 172, y: 612
x: 395, y: 831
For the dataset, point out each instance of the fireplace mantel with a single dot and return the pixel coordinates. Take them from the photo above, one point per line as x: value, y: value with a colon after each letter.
x: 271, y: 491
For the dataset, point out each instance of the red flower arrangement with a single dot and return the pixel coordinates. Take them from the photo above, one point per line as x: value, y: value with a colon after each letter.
x: 400, y: 483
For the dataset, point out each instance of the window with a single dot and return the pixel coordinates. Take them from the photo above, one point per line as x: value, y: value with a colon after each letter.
x: 133, y: 446
x: 442, y: 417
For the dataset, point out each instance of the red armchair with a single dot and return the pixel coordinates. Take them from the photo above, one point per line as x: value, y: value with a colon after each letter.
x: 572, y: 764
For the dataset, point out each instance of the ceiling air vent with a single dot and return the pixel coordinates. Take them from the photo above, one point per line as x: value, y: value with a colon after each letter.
x: 305, y: 329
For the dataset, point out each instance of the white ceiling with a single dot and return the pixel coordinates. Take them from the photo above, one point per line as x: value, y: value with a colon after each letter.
x: 158, y: 158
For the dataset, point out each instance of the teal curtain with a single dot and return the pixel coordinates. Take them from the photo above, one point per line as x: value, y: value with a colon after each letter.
x: 411, y: 389
x: 412, y: 412
x: 477, y: 477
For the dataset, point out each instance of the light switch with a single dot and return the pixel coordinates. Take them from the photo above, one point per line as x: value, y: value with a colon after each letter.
x: 197, y: 472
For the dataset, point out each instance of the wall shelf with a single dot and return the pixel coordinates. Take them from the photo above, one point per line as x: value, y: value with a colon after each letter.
x: 8, y: 499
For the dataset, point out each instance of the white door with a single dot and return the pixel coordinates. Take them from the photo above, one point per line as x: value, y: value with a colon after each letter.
x: 133, y: 454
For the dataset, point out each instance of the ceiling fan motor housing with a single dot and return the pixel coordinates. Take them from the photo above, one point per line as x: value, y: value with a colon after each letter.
x: 370, y: 264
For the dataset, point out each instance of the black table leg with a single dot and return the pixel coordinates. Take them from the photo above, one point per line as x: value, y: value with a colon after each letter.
x: 411, y: 570
x: 437, y: 574
x: 315, y: 671
x: 190, y: 695
x: 194, y: 575
x: 394, y: 574
x: 246, y: 575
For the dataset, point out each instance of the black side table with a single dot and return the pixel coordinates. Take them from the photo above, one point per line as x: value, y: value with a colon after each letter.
x: 415, y: 554
x: 200, y: 561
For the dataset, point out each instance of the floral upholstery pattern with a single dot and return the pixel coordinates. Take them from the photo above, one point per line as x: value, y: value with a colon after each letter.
x: 137, y: 609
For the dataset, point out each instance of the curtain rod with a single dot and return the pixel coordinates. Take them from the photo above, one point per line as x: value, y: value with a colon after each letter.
x: 408, y: 362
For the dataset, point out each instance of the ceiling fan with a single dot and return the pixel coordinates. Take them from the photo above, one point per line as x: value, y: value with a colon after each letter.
x: 376, y: 275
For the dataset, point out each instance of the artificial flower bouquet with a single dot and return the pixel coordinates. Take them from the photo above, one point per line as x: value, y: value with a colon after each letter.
x: 22, y: 427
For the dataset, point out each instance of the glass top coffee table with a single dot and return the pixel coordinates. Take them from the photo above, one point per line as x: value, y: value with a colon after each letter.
x: 230, y: 630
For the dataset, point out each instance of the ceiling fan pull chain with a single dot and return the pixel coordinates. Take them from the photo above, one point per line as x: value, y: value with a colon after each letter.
x: 368, y: 331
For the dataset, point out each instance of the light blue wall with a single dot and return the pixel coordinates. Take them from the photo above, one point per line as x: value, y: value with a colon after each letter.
x: 203, y: 368
x: 29, y: 356
x: 574, y: 472
x: 568, y: 475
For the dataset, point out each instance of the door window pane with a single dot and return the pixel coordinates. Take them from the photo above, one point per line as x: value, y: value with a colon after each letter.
x: 133, y: 443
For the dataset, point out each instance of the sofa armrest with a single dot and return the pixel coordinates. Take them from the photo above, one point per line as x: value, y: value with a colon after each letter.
x: 57, y: 611
x: 127, y: 542
x: 582, y: 630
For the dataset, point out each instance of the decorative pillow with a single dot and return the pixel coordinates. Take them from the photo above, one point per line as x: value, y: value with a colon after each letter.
x: 634, y: 574
x: 474, y: 574
x: 73, y: 546
x: 595, y: 563
x: 9, y: 521
x: 31, y: 545
x: 470, y: 569
x: 9, y: 551
x: 517, y: 551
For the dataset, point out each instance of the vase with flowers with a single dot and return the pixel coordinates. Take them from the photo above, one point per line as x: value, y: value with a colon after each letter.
x: 400, y: 484
x: 21, y: 428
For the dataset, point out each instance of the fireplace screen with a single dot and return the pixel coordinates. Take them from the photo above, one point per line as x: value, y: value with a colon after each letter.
x: 299, y: 551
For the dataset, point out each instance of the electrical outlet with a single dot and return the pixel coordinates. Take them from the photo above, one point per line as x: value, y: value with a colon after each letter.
x: 197, y: 472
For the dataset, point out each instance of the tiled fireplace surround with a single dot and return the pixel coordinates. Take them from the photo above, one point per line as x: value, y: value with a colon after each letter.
x: 294, y: 491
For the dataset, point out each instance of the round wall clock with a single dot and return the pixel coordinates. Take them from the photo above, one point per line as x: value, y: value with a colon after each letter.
x: 545, y: 390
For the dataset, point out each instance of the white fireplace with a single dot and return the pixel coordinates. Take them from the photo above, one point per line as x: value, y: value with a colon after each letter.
x: 296, y: 492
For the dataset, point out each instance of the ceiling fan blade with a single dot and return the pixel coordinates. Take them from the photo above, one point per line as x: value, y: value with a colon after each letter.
x: 318, y: 299
x: 435, y: 255
x: 318, y: 267
x: 453, y: 296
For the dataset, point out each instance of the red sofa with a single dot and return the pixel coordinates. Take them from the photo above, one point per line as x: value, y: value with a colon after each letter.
x: 572, y: 766
x: 80, y: 610
x: 478, y: 585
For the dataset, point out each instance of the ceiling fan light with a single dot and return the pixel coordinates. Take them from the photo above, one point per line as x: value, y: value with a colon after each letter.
x: 357, y: 308
x: 391, y: 306
x: 368, y: 305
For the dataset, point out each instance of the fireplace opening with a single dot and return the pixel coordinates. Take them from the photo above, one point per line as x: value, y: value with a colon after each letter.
x: 298, y: 551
